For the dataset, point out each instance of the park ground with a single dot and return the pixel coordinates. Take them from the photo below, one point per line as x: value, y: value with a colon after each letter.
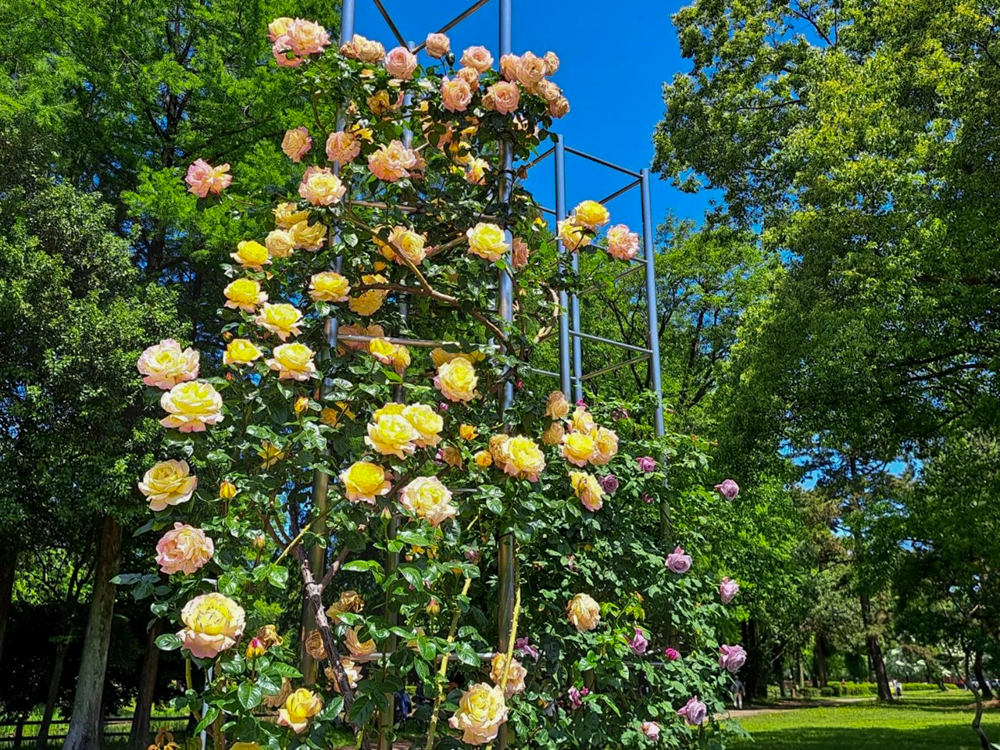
x: 920, y: 721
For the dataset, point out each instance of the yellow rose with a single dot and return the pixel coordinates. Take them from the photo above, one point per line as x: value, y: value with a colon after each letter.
x: 587, y: 489
x: 483, y: 459
x: 212, y: 623
x: 392, y: 435
x: 286, y: 215
x: 427, y: 422
x: 467, y: 432
x: 332, y: 415
x: 457, y: 380
x: 360, y: 651
x: 368, y: 302
x: 584, y: 613
x: 301, y: 404
x: 227, y: 490
x: 166, y: 364
x: 244, y: 294
x: 400, y: 358
x: 573, y: 236
x: 606, y: 446
x: 241, y: 352
x: 523, y: 458
x: 408, y: 244
x: 191, y: 406
x: 554, y: 434
x: 282, y: 319
x: 578, y: 448
x: 515, y: 674
x: 488, y: 241
x: 250, y: 254
x: 591, y: 214
x: 381, y: 349
x: 301, y: 706
x: 582, y: 421
x: 557, y: 406
x: 364, y: 481
x: 293, y: 362
x: 497, y: 443
x: 279, y: 243
x: 270, y: 454
x: 481, y: 712
x: 475, y: 171
x: 306, y: 237
x: 244, y: 746
x: 168, y: 483
x: 390, y: 408
x: 428, y: 498
x: 329, y: 286
x: 439, y: 356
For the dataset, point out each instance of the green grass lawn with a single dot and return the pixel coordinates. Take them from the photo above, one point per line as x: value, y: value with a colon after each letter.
x: 937, y: 721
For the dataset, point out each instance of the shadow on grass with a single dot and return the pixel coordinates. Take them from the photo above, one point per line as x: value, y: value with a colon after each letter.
x: 829, y: 738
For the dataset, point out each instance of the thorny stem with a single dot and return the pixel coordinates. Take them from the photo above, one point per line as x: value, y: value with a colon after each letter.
x: 443, y: 671
x: 510, y: 645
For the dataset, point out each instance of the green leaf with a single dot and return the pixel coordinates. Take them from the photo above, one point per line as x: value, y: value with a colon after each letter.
x: 168, y: 642
x: 285, y: 670
x: 278, y: 577
x: 467, y: 655
x: 250, y: 695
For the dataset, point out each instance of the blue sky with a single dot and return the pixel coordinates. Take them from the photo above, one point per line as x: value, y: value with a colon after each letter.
x: 615, y: 54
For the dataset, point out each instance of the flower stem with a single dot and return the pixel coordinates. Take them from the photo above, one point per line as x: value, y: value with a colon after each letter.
x: 444, y: 668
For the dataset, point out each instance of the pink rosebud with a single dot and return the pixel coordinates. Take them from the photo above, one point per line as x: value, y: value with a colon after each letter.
x: 678, y: 562
x: 694, y: 712
x: 652, y: 730
x: 202, y: 178
x: 581, y: 403
x: 728, y: 489
x: 731, y: 658
x: 727, y: 590
x: 609, y: 484
x: 571, y: 563
x: 575, y: 694
x: 672, y: 654
x: 443, y: 406
x: 473, y: 555
x: 647, y: 498
x: 639, y: 642
x: 522, y: 646
x: 647, y: 464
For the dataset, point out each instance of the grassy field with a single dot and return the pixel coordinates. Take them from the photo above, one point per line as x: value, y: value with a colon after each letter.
x: 920, y: 722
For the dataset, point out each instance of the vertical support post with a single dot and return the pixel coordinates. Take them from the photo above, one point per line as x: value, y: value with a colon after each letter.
x: 565, y: 377
x: 321, y: 480
x: 653, y: 316
x: 506, y: 558
x: 574, y: 313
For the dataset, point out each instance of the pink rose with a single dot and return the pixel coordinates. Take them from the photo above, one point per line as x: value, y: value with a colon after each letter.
x: 472, y: 555
x: 478, y: 58
x: 456, y: 94
x: 506, y: 96
x: 183, y: 549
x: 307, y: 37
x: 639, y: 643
x: 342, y: 148
x: 728, y: 489
x: 727, y: 590
x: 202, y: 178
x: 508, y: 66
x: 321, y: 187
x: 523, y: 647
x: 652, y: 730
x: 731, y: 658
x: 672, y: 654
x: 278, y: 28
x: 400, y: 63
x: 296, y: 143
x: 694, y: 712
x: 392, y: 162
x: 519, y: 250
x: 647, y: 464
x: 575, y: 696
x: 280, y: 50
x: 647, y: 498
x: 622, y: 244
x: 437, y: 45
x: 678, y: 562
x: 609, y: 484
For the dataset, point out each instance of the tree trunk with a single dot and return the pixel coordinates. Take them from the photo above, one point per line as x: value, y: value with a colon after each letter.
x: 8, y: 569
x: 984, y: 686
x: 820, y: 661
x: 139, y: 734
x: 875, y: 651
x: 50, y: 701
x: 85, y: 723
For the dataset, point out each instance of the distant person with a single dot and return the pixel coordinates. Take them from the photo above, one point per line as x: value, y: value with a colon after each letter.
x: 843, y: 683
x: 899, y: 689
x: 738, y: 691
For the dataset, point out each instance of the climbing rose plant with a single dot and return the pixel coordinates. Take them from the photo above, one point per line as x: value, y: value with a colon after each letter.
x: 363, y: 467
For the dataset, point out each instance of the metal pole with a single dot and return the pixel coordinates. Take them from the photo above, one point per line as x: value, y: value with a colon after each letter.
x: 506, y: 558
x: 565, y: 378
x: 574, y: 311
x: 654, y: 317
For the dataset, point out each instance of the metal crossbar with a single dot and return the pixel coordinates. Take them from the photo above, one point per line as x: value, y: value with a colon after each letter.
x: 454, y: 22
x: 392, y: 25
x: 620, y: 192
x: 603, y: 162
x: 612, y: 368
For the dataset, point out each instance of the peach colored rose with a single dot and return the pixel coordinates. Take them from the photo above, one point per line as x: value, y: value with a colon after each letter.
x: 408, y: 244
x: 286, y: 215
x: 296, y: 143
x: 293, y: 362
x: 361, y: 651
x: 478, y: 58
x: 519, y: 253
x: 212, y: 624
x: 530, y: 70
x: 202, y: 178
x: 508, y: 66
x: 321, y: 187
x: 548, y: 91
x: 392, y: 162
x: 551, y: 63
x: 306, y: 37
x: 506, y: 97
x: 557, y: 405
x: 553, y: 435
x: 342, y: 147
x: 329, y: 286
x: 365, y: 50
x: 584, y: 613
x: 456, y: 94
x: 400, y: 63
x: 282, y: 319
x: 587, y: 490
x: 184, y: 549
x: 475, y: 171
x: 168, y: 483
x: 605, y: 446
x: 191, y: 406
x: 368, y: 302
x: 470, y: 76
x: 428, y: 498
x: 515, y: 674
x: 481, y: 712
x: 437, y: 45
x: 166, y: 364
x: 352, y: 670
x: 559, y: 107
x: 622, y: 244
x: 280, y: 50
x: 278, y: 28
x: 279, y: 243
x: 582, y: 420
